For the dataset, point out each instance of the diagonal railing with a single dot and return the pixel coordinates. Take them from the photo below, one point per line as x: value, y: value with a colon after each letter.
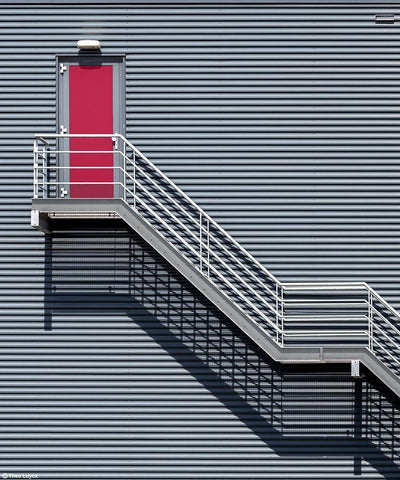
x: 292, y: 314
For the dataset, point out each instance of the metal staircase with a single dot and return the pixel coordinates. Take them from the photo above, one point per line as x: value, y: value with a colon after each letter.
x: 292, y: 322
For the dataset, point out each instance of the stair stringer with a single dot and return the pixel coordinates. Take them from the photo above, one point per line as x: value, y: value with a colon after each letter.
x: 70, y: 208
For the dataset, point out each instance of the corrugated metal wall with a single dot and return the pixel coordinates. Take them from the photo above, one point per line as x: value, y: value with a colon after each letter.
x: 282, y: 120
x: 132, y: 374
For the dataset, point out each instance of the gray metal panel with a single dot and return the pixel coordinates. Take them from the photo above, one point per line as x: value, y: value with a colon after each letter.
x: 282, y: 121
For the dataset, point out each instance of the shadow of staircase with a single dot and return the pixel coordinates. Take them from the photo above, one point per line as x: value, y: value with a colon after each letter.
x: 116, y: 269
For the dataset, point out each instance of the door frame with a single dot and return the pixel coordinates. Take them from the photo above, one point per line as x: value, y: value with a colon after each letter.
x: 62, y: 108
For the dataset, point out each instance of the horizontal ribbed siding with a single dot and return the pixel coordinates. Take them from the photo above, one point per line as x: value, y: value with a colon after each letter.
x: 130, y: 373
x: 282, y: 121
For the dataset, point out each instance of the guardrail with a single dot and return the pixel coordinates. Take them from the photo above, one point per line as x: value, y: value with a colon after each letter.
x: 292, y: 314
x: 342, y: 313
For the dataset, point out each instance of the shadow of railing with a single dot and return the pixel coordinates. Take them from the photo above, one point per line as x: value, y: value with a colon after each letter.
x: 116, y: 270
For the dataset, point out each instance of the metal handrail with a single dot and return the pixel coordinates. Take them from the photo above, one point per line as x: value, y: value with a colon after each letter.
x: 268, y: 305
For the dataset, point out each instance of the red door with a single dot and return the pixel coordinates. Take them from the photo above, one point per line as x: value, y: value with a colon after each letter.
x: 91, y: 112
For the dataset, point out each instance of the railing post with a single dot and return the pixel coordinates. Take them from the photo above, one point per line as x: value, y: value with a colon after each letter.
x: 208, y: 247
x: 124, y: 173
x: 277, y: 311
x: 370, y: 322
x: 282, y: 318
x: 35, y: 169
x: 45, y: 163
x: 201, y: 242
x: 134, y: 180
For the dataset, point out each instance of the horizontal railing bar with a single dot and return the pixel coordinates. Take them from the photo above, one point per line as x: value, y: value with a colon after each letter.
x: 320, y: 317
x: 308, y: 284
x: 42, y: 136
x: 113, y: 167
x: 83, y: 151
x: 81, y: 183
x: 323, y: 288
x: 328, y: 333
x: 328, y: 303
